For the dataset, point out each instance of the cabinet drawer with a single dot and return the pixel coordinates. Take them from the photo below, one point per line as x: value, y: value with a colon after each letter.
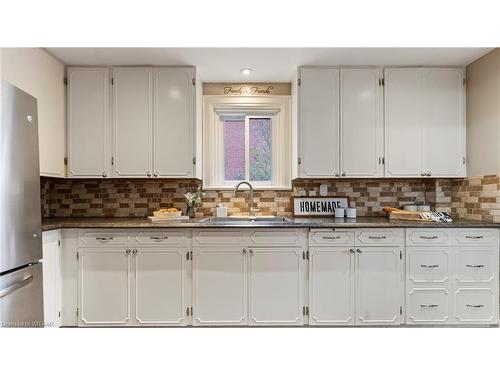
x: 219, y: 237
x: 164, y: 238
x: 281, y: 237
x: 475, y: 305
x: 428, y: 265
x: 384, y: 237
x: 475, y: 265
x: 476, y: 237
x: 331, y: 238
x: 103, y: 238
x: 428, y: 306
x: 416, y: 237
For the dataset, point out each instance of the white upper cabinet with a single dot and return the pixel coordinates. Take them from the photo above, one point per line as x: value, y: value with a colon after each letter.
x: 319, y: 122
x: 444, y: 126
x: 174, y: 122
x: 424, y: 122
x: 88, y: 122
x: 132, y: 122
x: 361, y: 123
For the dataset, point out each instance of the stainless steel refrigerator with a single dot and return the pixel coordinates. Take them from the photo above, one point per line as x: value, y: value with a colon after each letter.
x: 21, y: 286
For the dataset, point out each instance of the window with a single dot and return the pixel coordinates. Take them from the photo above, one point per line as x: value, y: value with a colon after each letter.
x: 246, y: 139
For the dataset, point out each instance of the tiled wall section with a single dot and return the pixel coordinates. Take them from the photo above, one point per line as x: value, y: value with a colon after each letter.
x: 476, y: 198
x: 140, y: 197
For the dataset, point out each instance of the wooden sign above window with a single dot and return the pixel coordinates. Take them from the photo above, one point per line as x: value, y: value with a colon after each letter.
x: 318, y: 206
x: 247, y: 89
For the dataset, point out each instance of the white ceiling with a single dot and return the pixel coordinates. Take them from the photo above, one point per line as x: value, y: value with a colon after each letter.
x: 269, y: 64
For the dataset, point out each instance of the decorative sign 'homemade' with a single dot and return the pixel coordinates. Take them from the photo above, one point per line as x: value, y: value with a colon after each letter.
x: 318, y: 206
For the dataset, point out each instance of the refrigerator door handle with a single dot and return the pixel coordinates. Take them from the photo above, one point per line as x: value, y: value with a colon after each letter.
x: 16, y: 286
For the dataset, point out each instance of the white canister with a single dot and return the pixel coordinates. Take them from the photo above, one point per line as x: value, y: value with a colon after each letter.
x: 350, y: 213
x: 221, y: 211
x: 339, y: 213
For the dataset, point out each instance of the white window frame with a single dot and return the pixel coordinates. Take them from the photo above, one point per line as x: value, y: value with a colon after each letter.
x: 215, y: 108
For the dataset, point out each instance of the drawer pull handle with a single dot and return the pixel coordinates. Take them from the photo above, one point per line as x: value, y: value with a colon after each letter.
x: 474, y: 265
x: 376, y: 237
x: 331, y: 238
x: 429, y: 237
x: 104, y: 238
x: 429, y: 265
x: 155, y: 238
x: 475, y: 306
x: 429, y: 306
x: 474, y: 237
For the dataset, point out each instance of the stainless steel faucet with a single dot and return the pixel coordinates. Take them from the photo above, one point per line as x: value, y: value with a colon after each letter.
x: 251, y: 210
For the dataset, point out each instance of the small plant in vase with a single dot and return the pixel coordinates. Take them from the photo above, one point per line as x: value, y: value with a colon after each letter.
x: 192, y: 199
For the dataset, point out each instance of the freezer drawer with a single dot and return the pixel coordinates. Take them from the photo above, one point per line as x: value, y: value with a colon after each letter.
x: 21, y: 298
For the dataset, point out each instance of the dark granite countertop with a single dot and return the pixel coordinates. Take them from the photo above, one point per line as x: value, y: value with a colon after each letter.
x: 360, y: 222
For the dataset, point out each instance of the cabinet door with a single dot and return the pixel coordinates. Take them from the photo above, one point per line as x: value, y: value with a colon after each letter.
x: 276, y: 286
x: 104, y: 287
x: 160, y: 292
x: 132, y: 122
x: 173, y: 122
x: 51, y: 279
x: 379, y: 286
x: 331, y: 286
x: 444, y: 125
x: 404, y: 109
x: 361, y: 125
x: 88, y: 122
x: 319, y: 122
x: 220, y: 286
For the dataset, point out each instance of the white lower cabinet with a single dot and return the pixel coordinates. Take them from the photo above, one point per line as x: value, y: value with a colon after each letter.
x: 220, y: 286
x: 379, y: 286
x: 455, y: 282
x: 276, y: 286
x: 52, y: 283
x: 350, y: 285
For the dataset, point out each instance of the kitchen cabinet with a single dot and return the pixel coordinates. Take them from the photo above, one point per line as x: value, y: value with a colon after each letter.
x: 340, y: 123
x: 132, y: 122
x: 358, y: 284
x: 105, y: 286
x: 248, y: 277
x: 319, y: 122
x: 361, y: 123
x: 88, y: 97
x: 452, y: 276
x: 174, y: 122
x: 276, y: 286
x: 424, y: 122
x: 131, y: 285
x: 51, y: 263
x: 220, y: 294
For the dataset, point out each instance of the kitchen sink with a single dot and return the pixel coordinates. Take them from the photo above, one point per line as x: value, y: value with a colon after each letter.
x: 242, y: 220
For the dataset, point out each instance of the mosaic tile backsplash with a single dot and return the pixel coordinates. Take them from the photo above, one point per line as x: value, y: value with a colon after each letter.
x: 140, y: 197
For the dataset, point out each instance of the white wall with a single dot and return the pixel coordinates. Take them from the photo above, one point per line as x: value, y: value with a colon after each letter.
x: 41, y: 75
x: 483, y: 115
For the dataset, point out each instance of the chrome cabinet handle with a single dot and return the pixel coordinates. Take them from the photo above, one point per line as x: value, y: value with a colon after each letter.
x: 475, y: 306
x: 343, y: 174
x: 422, y: 174
x: 358, y: 251
x: 156, y: 238
x: 244, y: 251
x: 428, y: 174
x: 474, y: 265
x: 429, y: 237
x: 427, y: 305
x: 429, y: 265
x: 16, y: 286
x: 156, y: 174
x: 351, y: 251
x: 134, y: 251
x: 337, y: 174
x: 377, y: 237
x: 104, y: 238
x: 148, y: 174
x: 474, y: 237
x: 104, y: 174
x: 128, y: 251
x: 251, y: 251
